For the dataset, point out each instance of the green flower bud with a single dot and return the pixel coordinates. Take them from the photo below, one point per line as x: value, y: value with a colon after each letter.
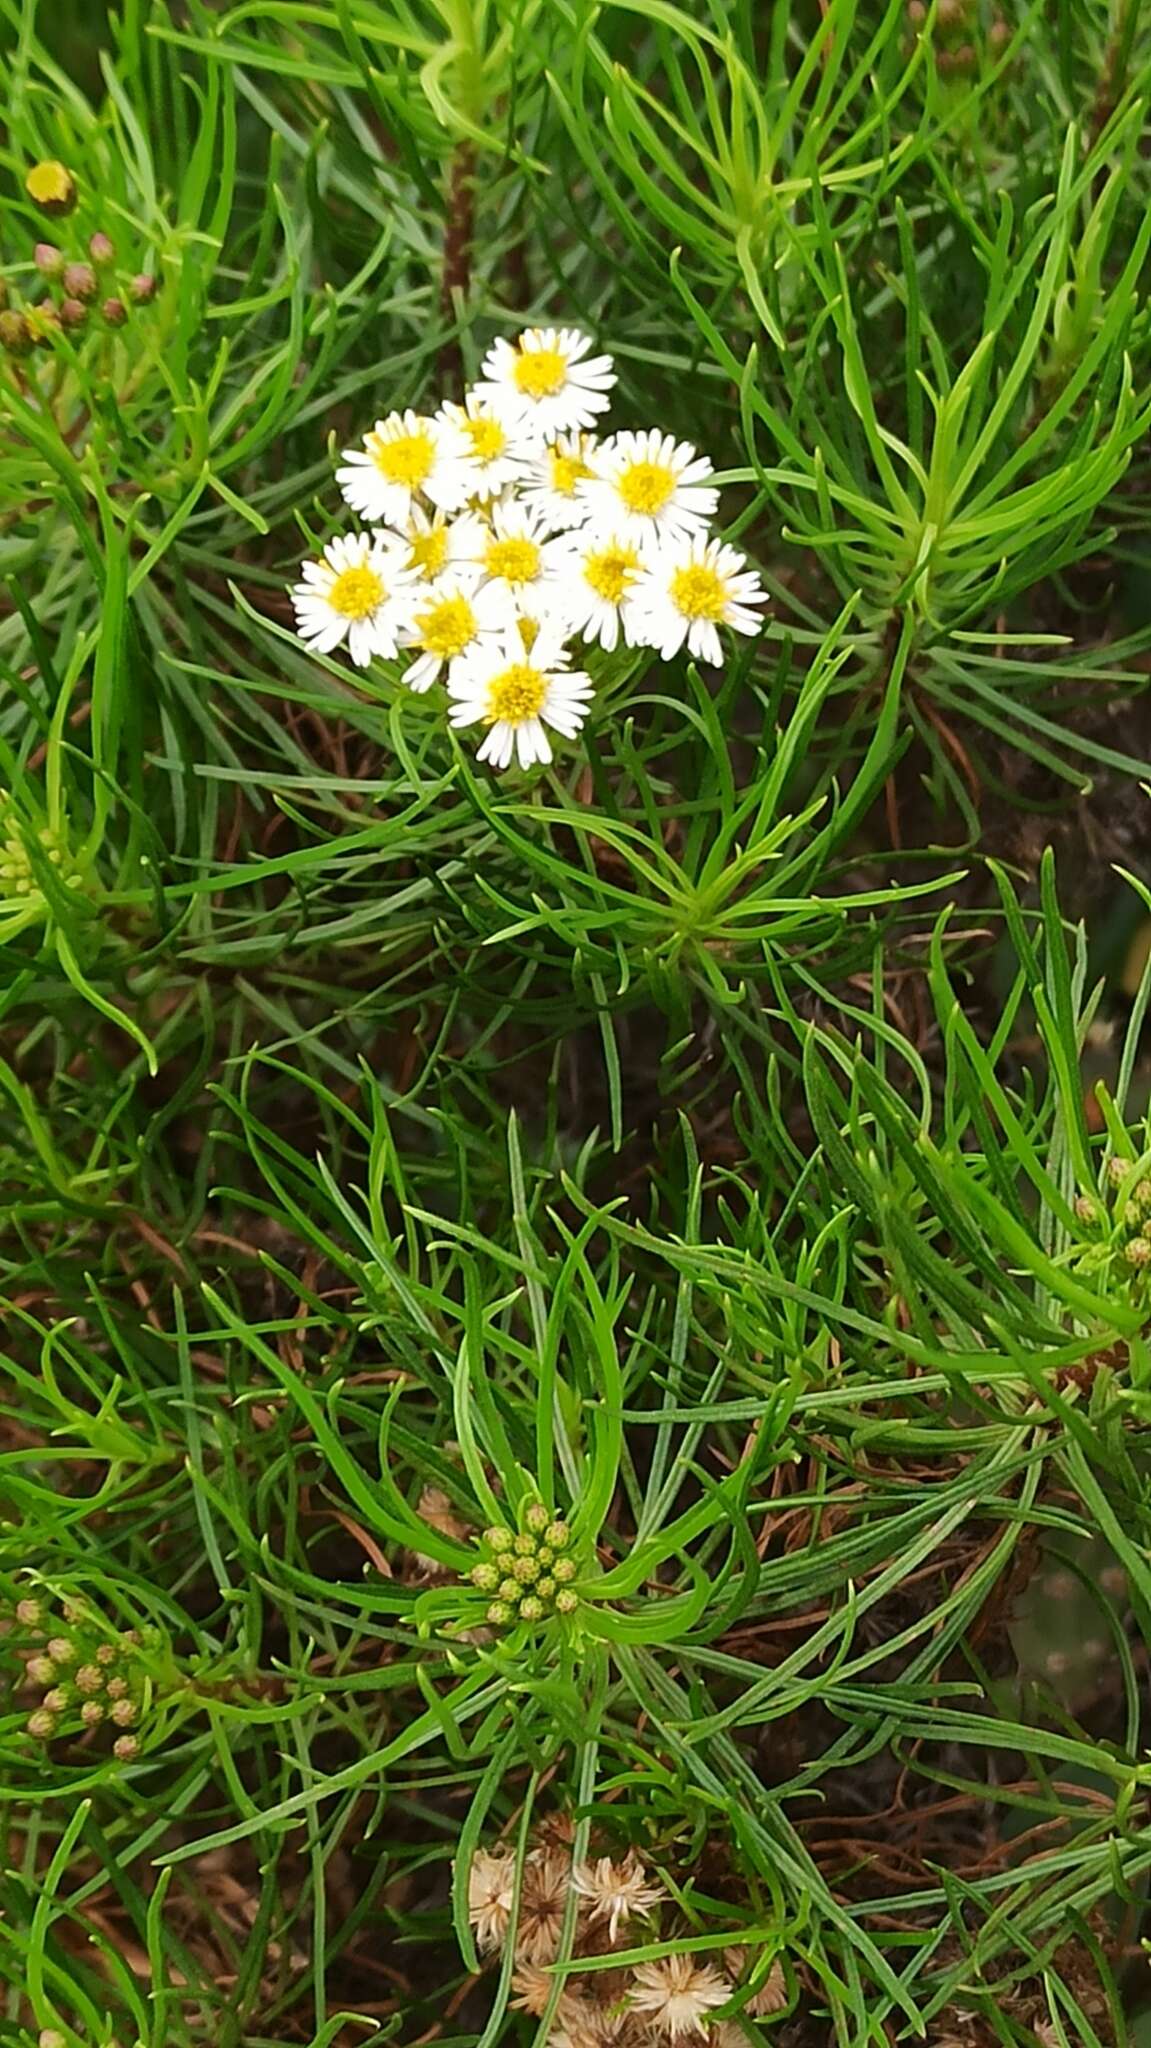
x: 510, y: 1589
x: 566, y: 1601
x: 531, y: 1609
x: 546, y: 1588
x: 115, y: 312
x: 499, y: 1613
x: 41, y: 1670
x: 557, y: 1536
x: 1138, y: 1252
x: 125, y: 1747
x: 498, y: 1539
x: 73, y: 312
x: 100, y: 249
x: 486, y: 1577
x: 536, y: 1517
x: 41, y: 1723
x: 526, y: 1545
x: 15, y: 334
x: 91, y: 1713
x: 49, y: 260
x: 526, y: 1569
x: 28, y: 1613
x: 142, y: 288
x: 564, y: 1569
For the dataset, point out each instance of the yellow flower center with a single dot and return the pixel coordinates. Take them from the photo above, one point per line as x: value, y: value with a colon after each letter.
x: 516, y: 560
x: 699, y: 593
x: 428, y: 551
x: 446, y: 628
x: 539, y: 372
x: 406, y: 459
x: 611, y: 572
x: 355, y: 593
x: 516, y: 694
x: 566, y: 472
x: 529, y: 633
x: 487, y: 437
x: 646, y: 486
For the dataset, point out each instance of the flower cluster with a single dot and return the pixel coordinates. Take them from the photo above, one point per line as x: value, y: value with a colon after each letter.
x: 528, y: 1571
x: 1118, y: 1224
x: 497, y: 530
x: 639, y: 2006
x: 78, y: 282
x: 81, y: 1674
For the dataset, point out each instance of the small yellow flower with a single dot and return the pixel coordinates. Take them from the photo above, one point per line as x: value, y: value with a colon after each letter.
x: 51, y: 187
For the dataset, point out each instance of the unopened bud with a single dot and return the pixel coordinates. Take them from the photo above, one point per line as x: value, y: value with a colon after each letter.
x: 499, y: 1613
x: 116, y: 1688
x: 29, y: 1612
x: 15, y: 334
x: 51, y: 187
x: 566, y: 1601
x: 41, y: 1670
x: 486, y: 1577
x: 563, y: 1569
x: 49, y: 259
x: 999, y: 35
x: 498, y: 1539
x: 62, y: 1649
x: 1138, y: 1252
x: 106, y: 1654
x: 89, y: 1678
x: 558, y: 1535
x: 124, y: 1713
x: 143, y: 288
x: 125, y: 1747
x: 1086, y: 1209
x: 49, y: 2038
x: 91, y: 1713
x: 56, y: 1700
x: 100, y: 249
x: 1117, y: 1170
x: 115, y: 312
x: 73, y: 312
x: 916, y: 11
x: 41, y: 1723
x: 79, y: 280
x: 531, y: 1609
x: 537, y: 1517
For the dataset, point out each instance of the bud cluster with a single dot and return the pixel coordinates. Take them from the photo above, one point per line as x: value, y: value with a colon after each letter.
x: 82, y: 283
x: 1118, y: 1222
x: 85, y: 1677
x: 528, y: 1571
x: 17, y: 865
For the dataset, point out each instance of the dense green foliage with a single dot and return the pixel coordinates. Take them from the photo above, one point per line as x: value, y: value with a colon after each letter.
x: 724, y: 1138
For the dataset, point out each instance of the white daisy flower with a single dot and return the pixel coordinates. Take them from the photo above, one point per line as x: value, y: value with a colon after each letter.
x: 436, y: 544
x: 598, y: 576
x: 616, y: 1891
x: 451, y: 619
x: 677, y: 1994
x: 357, y: 592
x: 689, y: 590
x: 516, y: 692
x: 650, y: 487
x: 557, y: 470
x: 403, y: 457
x: 547, y: 381
x: 512, y: 553
x: 494, y: 452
